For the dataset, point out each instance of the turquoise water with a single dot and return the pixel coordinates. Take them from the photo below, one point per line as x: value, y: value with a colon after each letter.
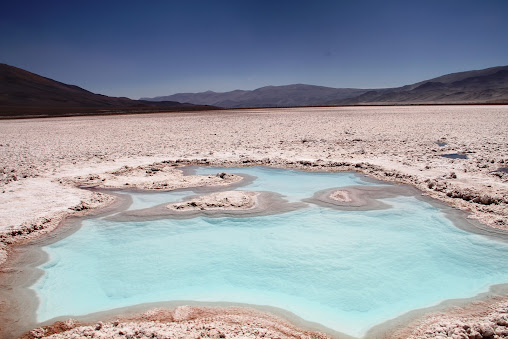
x: 150, y: 199
x: 347, y: 270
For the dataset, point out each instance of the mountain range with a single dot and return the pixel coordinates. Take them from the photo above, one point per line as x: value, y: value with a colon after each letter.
x: 25, y: 94
x: 480, y: 86
x: 269, y: 96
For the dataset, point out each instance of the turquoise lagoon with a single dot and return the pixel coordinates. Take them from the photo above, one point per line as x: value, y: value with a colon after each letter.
x: 346, y: 270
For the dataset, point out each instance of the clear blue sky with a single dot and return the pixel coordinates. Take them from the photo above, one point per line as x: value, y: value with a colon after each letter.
x: 151, y: 48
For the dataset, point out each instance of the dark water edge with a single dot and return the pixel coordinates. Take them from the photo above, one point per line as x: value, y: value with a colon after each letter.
x: 454, y: 156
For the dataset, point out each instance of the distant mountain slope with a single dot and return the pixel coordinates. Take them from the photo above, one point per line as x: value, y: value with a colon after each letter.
x: 269, y: 96
x: 24, y: 93
x: 480, y: 86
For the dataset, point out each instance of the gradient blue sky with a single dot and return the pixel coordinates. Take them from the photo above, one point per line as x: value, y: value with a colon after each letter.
x: 151, y: 48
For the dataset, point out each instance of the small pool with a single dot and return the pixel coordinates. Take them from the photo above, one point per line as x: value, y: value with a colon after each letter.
x: 454, y: 156
x: 346, y: 270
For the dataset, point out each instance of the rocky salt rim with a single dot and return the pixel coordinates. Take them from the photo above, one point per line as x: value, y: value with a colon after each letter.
x: 227, y: 200
x: 161, y: 177
x: 267, y: 203
x: 181, y: 319
x: 358, y: 198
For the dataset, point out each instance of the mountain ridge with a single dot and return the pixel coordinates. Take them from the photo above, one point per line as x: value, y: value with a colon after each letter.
x: 26, y: 94
x: 267, y: 96
x: 489, y: 85
x: 23, y: 93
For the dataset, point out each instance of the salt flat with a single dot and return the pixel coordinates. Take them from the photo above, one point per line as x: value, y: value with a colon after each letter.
x: 400, y: 141
x: 41, y: 158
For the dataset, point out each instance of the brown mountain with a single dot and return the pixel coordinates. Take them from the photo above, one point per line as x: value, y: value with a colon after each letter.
x: 489, y: 85
x: 269, y: 96
x: 480, y: 86
x: 25, y: 94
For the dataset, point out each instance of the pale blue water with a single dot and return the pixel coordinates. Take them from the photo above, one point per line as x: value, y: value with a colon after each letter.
x: 150, y: 199
x: 295, y: 185
x: 347, y: 270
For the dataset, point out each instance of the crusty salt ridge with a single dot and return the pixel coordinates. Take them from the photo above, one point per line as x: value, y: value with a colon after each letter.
x: 389, y: 143
x: 238, y: 204
x: 358, y: 197
x: 228, y: 200
x: 479, y: 319
x: 341, y: 196
x: 183, y: 322
x: 56, y: 204
x: 157, y: 176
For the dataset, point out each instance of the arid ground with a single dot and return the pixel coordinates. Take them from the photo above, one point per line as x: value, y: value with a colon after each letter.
x: 43, y: 160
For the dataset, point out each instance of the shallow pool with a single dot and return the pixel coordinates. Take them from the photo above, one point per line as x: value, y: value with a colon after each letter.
x: 347, y: 270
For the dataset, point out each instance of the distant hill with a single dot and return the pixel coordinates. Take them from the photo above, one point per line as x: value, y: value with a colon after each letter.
x: 25, y: 94
x: 269, y: 96
x: 480, y: 86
